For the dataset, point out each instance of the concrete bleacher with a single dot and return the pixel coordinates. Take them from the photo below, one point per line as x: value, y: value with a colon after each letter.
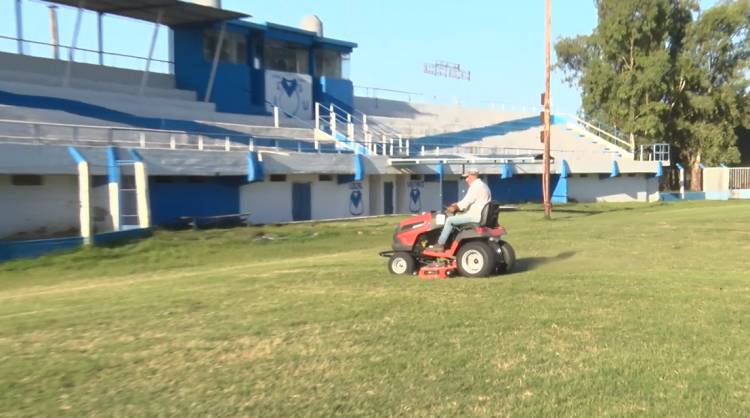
x: 32, y: 90
x: 451, y: 126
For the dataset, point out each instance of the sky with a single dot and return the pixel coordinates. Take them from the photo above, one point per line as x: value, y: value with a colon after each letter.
x: 500, y: 41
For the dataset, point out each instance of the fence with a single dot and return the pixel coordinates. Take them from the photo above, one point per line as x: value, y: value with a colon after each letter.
x: 84, y: 55
x: 739, y: 178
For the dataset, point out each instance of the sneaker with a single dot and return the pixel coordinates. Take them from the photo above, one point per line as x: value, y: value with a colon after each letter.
x: 437, y: 248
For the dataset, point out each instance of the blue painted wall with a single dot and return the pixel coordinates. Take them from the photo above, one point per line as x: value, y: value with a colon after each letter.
x: 519, y: 188
x: 181, y: 197
x: 340, y: 92
x: 35, y: 248
x: 232, y: 90
x: 240, y: 88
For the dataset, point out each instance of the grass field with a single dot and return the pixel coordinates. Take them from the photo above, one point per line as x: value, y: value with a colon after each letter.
x: 613, y: 310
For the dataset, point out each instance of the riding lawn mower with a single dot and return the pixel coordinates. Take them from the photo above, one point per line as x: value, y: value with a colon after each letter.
x: 473, y: 249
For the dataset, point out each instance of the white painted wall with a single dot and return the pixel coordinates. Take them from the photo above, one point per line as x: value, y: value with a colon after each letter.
x: 331, y: 200
x: 46, y: 209
x: 429, y: 195
x: 269, y: 202
x: 100, y: 215
x: 639, y: 188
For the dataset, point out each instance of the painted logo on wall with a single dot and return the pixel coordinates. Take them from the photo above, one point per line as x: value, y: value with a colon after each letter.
x: 415, y: 196
x: 291, y: 92
x: 356, y: 203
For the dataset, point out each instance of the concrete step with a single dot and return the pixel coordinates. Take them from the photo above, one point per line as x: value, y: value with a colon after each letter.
x: 97, y: 86
x: 136, y: 105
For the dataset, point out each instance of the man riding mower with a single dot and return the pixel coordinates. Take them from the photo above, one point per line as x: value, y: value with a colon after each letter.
x: 435, y: 245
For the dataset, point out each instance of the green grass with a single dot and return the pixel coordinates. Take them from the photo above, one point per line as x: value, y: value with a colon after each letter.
x: 614, y: 310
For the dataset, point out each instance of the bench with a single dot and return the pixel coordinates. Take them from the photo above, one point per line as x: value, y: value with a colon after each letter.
x: 216, y: 221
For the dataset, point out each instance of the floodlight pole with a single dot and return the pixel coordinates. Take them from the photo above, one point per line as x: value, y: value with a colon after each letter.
x: 547, y: 136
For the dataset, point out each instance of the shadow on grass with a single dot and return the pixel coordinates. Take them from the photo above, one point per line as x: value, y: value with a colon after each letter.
x: 531, y: 263
x: 581, y: 212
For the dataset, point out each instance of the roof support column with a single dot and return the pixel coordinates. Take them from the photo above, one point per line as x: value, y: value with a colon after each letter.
x: 144, y: 79
x: 215, y: 64
x: 19, y: 26
x: 71, y: 50
x: 100, y: 34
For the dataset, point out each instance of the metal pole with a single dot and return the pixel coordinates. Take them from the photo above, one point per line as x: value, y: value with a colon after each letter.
x: 19, y: 26
x: 144, y: 79
x: 547, y: 136
x: 99, y: 27
x: 215, y: 64
x: 71, y: 51
x: 54, y: 34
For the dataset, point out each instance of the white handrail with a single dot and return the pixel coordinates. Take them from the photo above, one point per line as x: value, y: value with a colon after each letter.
x: 627, y: 144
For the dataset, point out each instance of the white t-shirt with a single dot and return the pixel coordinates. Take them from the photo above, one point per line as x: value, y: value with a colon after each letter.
x: 476, y: 198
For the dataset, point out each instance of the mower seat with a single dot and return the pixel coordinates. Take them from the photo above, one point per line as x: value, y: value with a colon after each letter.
x: 490, y: 213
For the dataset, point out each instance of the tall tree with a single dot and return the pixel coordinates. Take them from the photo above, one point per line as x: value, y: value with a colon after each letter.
x: 623, y: 67
x: 710, y: 91
x: 659, y: 70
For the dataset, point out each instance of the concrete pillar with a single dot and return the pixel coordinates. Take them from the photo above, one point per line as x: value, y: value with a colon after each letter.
x: 141, y: 187
x: 84, y: 196
x: 113, y: 188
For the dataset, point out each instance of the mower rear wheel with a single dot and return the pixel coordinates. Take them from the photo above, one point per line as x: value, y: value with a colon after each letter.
x: 476, y: 259
x: 506, y: 257
x: 402, y: 263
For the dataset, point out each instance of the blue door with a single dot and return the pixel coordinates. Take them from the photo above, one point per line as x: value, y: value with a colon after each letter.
x: 450, y: 192
x: 301, y: 202
x: 388, y: 198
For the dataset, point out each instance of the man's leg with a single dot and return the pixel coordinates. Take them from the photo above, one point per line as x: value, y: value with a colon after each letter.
x: 449, y: 224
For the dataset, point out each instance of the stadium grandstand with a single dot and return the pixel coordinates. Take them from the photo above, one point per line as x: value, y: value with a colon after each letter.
x: 258, y: 122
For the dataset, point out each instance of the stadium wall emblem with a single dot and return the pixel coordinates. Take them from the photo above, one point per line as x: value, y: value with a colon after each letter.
x: 415, y: 196
x: 292, y: 93
x: 356, y: 204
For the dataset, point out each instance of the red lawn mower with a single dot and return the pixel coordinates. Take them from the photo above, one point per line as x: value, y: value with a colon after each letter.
x: 473, y: 250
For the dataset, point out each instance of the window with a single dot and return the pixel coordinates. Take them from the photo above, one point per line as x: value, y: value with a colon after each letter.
x: 233, y: 47
x: 325, y: 177
x: 286, y: 56
x: 415, y: 177
x: 327, y: 63
x: 26, y: 180
x: 278, y: 177
x: 431, y: 178
x: 98, y: 181
x: 344, y: 178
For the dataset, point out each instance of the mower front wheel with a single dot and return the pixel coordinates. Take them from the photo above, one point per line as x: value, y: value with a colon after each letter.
x: 402, y: 263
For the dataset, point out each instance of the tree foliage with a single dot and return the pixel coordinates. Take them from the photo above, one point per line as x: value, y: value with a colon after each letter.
x: 662, y: 70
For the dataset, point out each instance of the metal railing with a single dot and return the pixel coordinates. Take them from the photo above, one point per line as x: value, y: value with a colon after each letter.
x: 591, y: 129
x: 42, y: 133
x: 84, y: 55
x: 384, y: 93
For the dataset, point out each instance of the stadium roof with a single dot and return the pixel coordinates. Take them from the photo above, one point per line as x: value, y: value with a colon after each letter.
x: 175, y: 12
